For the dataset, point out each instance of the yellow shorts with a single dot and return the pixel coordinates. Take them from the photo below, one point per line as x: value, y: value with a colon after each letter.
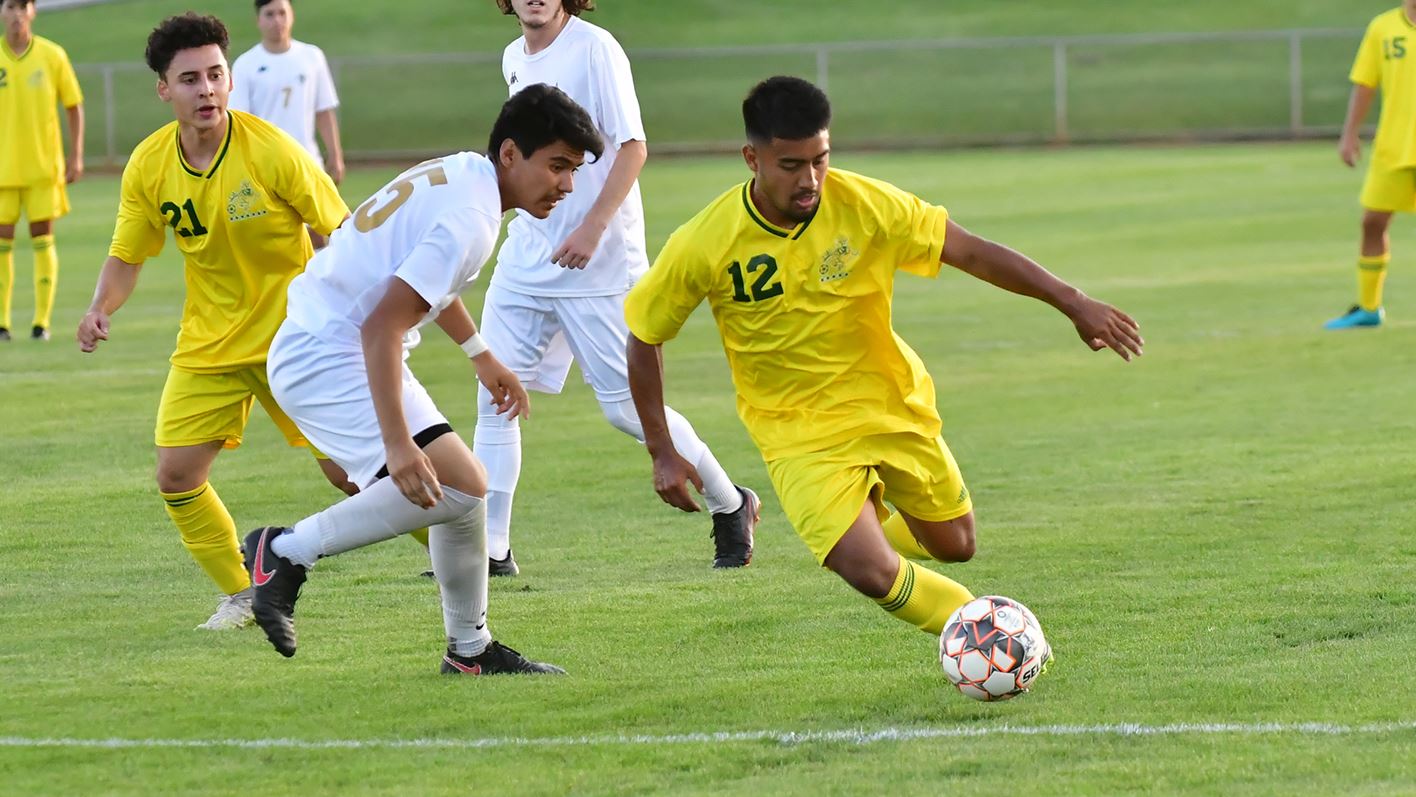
x: 200, y: 408
x: 823, y: 492
x: 40, y: 202
x: 1389, y: 189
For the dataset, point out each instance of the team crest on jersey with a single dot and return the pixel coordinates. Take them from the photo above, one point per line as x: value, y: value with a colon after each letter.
x: 837, y: 261
x: 244, y: 203
x: 36, y: 80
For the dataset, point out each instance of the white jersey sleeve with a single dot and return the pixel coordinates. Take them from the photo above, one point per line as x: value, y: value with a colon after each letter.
x: 615, y: 106
x: 326, y: 98
x: 430, y: 268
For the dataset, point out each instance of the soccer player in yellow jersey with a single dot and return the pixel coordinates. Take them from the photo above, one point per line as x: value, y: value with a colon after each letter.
x: 237, y: 193
x: 798, y: 265
x: 35, y: 77
x: 1386, y: 61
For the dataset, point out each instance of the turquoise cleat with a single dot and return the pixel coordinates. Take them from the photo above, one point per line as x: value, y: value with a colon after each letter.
x: 1357, y: 317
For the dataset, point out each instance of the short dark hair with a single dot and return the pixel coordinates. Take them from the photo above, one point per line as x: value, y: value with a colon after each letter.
x: 572, y: 7
x: 263, y: 3
x: 785, y: 107
x: 540, y: 115
x: 25, y: 2
x: 183, y: 32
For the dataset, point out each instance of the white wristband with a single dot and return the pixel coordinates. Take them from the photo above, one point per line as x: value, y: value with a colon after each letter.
x: 475, y: 345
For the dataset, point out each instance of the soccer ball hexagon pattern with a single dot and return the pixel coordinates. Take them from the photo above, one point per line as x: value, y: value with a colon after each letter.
x: 992, y: 648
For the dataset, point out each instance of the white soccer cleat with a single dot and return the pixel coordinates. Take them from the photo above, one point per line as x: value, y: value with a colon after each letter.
x: 232, y: 613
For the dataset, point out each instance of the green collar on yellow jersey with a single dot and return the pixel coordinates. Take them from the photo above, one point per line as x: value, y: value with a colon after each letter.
x: 225, y: 145
x: 18, y: 56
x: 767, y: 225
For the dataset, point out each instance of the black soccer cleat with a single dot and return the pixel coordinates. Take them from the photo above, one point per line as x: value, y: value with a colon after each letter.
x: 732, y: 532
x: 4, y: 334
x: 39, y: 333
x: 497, y: 659
x: 502, y: 567
x: 275, y: 582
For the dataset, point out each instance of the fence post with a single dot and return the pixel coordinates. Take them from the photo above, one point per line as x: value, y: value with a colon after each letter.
x: 1295, y: 82
x: 1059, y: 91
x: 821, y: 68
x: 110, y: 119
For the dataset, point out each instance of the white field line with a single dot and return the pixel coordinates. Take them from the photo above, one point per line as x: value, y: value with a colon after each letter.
x: 856, y: 737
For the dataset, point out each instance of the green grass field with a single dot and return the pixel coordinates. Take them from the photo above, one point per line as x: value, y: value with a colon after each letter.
x: 883, y: 96
x: 1217, y: 534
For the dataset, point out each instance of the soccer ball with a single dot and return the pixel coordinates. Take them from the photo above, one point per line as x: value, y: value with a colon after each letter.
x: 992, y: 648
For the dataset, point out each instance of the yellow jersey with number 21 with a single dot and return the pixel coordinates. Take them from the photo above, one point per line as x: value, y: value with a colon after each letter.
x: 240, y: 225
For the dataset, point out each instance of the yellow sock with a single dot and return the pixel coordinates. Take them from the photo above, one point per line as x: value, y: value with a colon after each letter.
x: 46, y: 279
x: 420, y: 535
x: 210, y: 536
x: 7, y: 278
x: 1371, y: 274
x: 898, y: 534
x: 923, y: 597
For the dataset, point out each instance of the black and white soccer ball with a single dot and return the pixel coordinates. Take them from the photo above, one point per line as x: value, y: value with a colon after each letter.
x: 992, y: 648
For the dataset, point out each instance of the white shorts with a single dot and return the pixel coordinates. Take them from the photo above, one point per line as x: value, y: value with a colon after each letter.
x: 325, y: 390
x: 538, y: 337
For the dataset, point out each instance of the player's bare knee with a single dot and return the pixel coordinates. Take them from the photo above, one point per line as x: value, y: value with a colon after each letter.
x: 951, y: 541
x: 1374, y: 226
x: 175, y: 479
x: 38, y: 228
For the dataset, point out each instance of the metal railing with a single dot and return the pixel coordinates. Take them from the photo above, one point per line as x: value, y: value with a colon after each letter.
x: 911, y: 93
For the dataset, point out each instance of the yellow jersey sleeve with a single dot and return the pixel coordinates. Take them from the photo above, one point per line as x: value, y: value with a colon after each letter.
x: 306, y: 187
x: 136, y: 235
x: 1367, y: 66
x: 69, y: 92
x: 910, y: 231
x: 663, y: 299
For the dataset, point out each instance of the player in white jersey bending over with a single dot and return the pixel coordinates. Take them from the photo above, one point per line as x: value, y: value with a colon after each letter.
x: 557, y: 294
x: 336, y: 367
x: 287, y: 83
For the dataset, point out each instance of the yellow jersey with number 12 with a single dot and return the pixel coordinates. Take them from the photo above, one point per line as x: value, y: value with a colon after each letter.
x: 804, y: 313
x: 1387, y: 59
x: 240, y: 225
x: 32, y: 85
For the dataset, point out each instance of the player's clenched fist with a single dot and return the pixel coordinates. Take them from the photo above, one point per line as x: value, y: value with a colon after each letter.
x: 92, y: 329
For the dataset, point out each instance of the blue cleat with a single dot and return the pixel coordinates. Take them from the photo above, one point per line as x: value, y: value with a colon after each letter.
x: 1357, y: 317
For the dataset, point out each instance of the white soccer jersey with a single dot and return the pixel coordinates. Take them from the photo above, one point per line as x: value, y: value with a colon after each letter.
x: 432, y: 227
x: 588, y: 64
x: 286, y: 89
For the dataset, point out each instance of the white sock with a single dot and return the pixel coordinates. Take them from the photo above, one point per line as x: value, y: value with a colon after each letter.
x: 719, y: 492
x: 498, y: 524
x: 459, y: 551
x: 497, y: 443
x: 373, y: 515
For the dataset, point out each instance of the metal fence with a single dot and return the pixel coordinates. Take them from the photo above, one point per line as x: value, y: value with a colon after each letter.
x: 915, y: 93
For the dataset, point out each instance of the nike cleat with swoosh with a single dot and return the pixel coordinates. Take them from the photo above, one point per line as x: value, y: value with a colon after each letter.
x: 276, y: 582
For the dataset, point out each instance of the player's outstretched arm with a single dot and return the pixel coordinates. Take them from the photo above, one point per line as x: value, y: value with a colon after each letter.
x: 646, y: 384
x: 1349, y: 146
x: 508, y: 394
x: 1100, y: 325
x: 115, y: 284
x: 382, y: 338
